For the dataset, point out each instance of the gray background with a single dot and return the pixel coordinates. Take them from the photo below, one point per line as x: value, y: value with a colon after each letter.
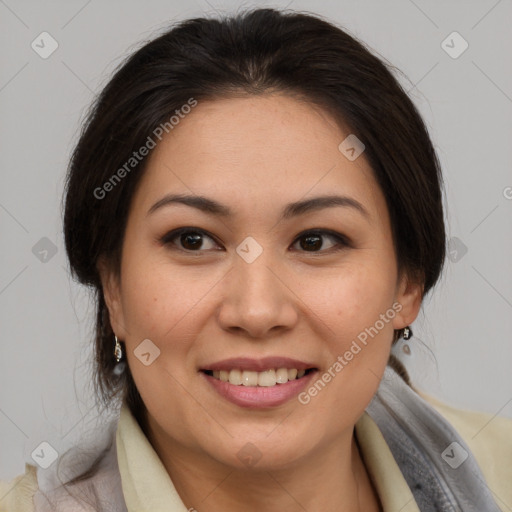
x: 461, y: 352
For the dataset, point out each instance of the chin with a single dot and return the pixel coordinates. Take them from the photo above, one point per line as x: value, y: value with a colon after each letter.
x: 264, y: 452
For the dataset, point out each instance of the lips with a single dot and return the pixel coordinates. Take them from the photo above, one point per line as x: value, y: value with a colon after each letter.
x: 258, y: 383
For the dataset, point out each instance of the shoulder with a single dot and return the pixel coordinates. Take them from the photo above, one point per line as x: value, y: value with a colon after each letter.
x: 17, y: 495
x: 489, y: 438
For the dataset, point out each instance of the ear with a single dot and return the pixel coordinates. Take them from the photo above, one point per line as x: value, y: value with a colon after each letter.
x: 409, y: 295
x: 111, y: 288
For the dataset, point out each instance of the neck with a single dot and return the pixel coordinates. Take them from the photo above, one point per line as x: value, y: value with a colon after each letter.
x: 334, y: 477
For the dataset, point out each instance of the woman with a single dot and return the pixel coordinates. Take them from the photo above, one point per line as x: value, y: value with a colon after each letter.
x: 257, y: 204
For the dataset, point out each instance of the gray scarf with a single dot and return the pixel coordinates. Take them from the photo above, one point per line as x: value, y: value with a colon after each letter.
x: 420, y: 439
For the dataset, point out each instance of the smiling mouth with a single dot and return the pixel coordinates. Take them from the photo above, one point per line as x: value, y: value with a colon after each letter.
x: 267, y: 378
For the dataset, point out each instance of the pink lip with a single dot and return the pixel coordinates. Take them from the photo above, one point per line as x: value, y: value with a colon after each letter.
x: 258, y: 365
x: 255, y: 397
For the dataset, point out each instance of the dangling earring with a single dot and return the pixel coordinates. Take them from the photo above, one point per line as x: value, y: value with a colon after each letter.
x: 118, y: 354
x: 118, y: 351
x: 407, y: 335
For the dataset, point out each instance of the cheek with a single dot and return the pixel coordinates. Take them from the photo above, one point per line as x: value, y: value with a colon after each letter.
x: 353, y: 297
x: 356, y: 304
x: 158, y: 298
x: 357, y: 350
x: 158, y: 304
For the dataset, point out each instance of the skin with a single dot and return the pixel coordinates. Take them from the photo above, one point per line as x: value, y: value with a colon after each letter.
x: 255, y: 155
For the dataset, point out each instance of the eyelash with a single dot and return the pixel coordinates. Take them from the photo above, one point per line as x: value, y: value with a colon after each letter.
x: 341, y: 241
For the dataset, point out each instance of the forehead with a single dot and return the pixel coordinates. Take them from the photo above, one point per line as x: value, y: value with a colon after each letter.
x: 256, y: 152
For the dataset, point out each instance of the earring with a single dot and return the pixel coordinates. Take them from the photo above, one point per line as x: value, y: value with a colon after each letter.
x: 118, y: 354
x: 118, y: 351
x: 407, y: 335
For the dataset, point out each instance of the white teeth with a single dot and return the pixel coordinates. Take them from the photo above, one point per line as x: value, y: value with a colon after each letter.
x: 282, y: 376
x: 235, y: 377
x: 249, y: 378
x: 267, y: 378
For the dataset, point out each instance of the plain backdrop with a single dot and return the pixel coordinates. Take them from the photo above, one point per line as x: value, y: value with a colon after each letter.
x: 461, y: 352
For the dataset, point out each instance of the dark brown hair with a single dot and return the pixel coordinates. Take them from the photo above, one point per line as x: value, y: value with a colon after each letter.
x: 255, y: 52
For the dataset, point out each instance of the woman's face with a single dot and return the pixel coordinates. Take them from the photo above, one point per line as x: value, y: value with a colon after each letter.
x: 251, y: 293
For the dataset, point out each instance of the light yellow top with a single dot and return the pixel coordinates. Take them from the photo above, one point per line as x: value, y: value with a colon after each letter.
x: 147, y: 486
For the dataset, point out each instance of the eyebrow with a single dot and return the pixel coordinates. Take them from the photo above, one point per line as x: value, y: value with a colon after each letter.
x: 290, y: 210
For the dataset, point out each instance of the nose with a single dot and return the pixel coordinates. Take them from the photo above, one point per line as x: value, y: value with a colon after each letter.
x: 259, y: 300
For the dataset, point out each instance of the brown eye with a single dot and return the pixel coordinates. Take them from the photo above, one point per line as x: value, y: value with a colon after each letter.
x: 187, y: 239
x: 191, y: 241
x: 312, y: 241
